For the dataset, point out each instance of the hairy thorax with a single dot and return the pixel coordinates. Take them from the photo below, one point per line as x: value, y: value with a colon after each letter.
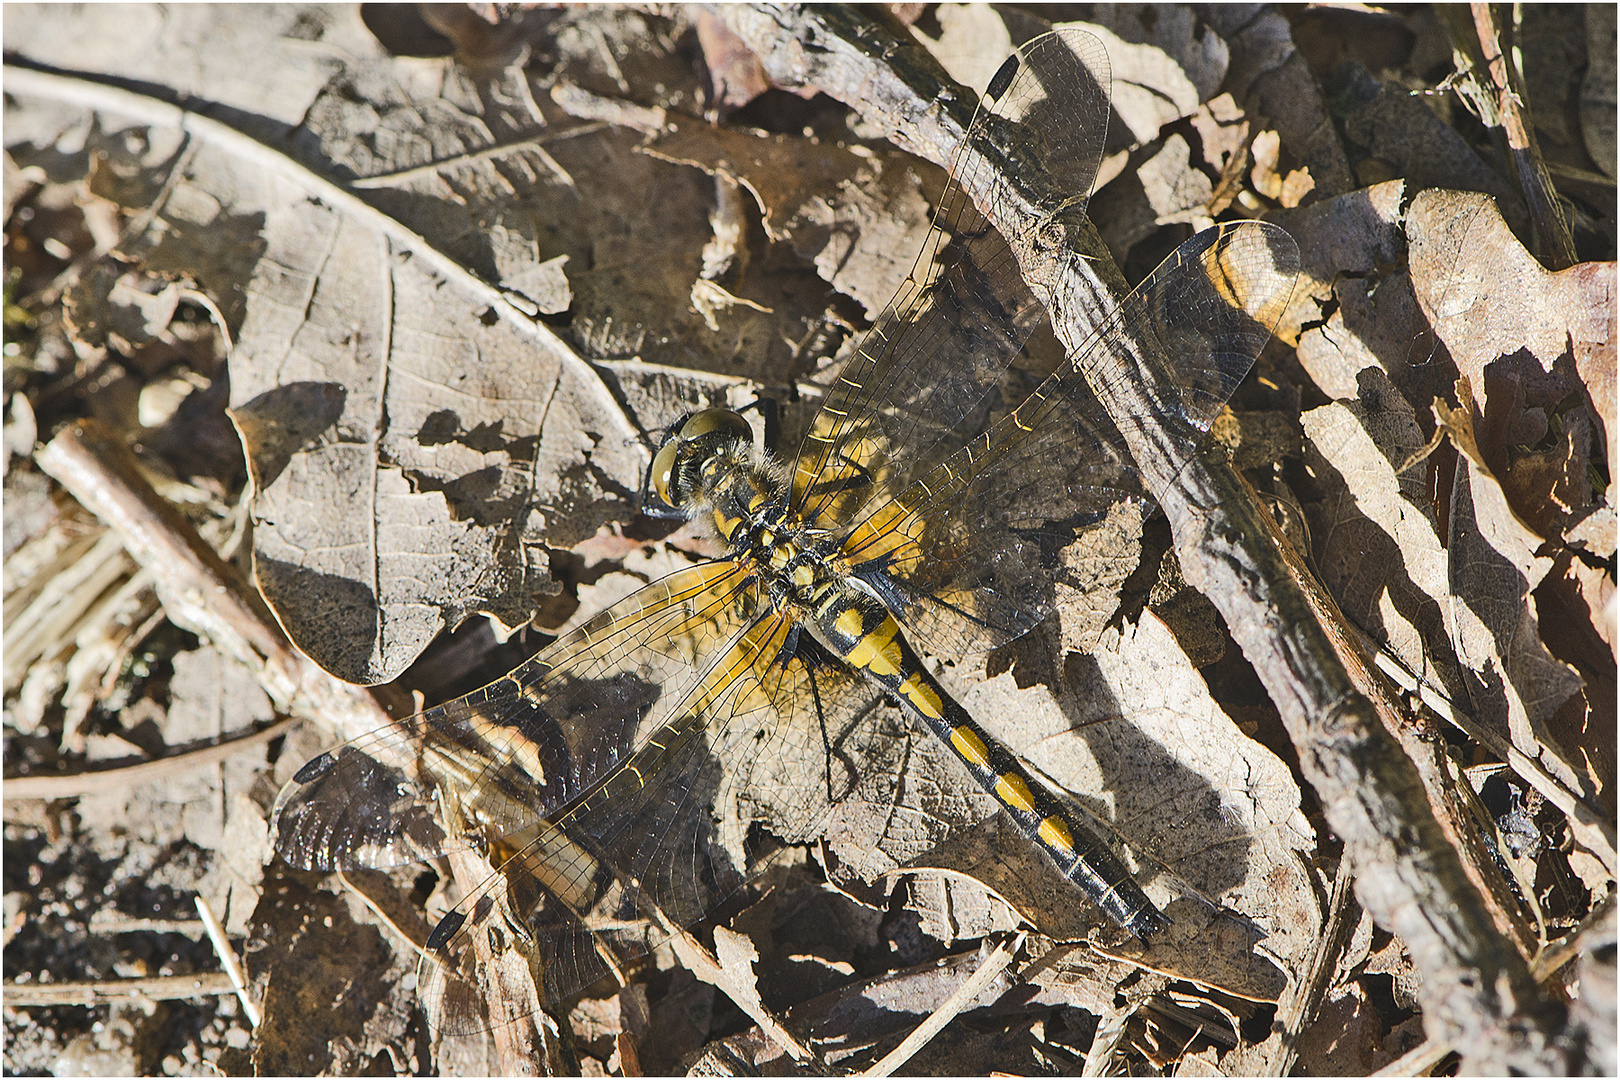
x: 747, y: 497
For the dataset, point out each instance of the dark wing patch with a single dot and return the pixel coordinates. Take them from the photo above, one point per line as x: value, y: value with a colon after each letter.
x: 923, y: 379
x: 965, y: 555
x: 526, y: 745
x: 587, y: 892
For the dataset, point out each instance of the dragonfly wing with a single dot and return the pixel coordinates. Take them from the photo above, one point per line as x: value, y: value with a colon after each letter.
x: 1194, y: 328
x: 923, y: 378
x: 524, y: 746
x: 966, y: 554
x: 587, y: 891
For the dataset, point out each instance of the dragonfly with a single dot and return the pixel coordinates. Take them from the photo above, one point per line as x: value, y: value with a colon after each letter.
x: 920, y: 515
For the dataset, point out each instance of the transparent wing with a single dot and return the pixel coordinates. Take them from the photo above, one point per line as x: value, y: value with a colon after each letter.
x: 966, y: 554
x: 526, y: 745
x: 591, y: 889
x: 923, y: 378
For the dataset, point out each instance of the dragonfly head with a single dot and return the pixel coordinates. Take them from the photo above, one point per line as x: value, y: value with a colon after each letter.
x: 678, y: 477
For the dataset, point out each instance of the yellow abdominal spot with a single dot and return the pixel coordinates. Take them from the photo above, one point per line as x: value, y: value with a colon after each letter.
x: 848, y: 622
x: 803, y: 576
x: 878, y: 652
x: 1055, y: 834
x: 970, y: 746
x: 923, y: 697
x: 1012, y: 790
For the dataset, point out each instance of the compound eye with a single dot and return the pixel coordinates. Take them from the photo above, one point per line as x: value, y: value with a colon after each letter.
x: 663, y: 467
x: 712, y: 420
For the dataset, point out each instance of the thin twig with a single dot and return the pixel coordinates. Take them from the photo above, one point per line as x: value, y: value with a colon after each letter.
x: 971, y: 988
x: 1591, y: 830
x: 227, y: 959
x: 1552, y: 239
x: 1304, y: 997
x: 1591, y: 934
x: 102, y: 991
x: 417, y: 941
x: 1419, y: 1061
x: 111, y: 921
x: 70, y: 785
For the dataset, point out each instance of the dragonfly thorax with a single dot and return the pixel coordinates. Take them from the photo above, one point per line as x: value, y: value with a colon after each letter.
x: 710, y: 471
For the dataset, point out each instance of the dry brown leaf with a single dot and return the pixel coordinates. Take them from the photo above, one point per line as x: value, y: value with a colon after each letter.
x: 1538, y: 348
x: 1376, y: 542
x: 1538, y: 342
x: 857, y: 214
x: 1269, y: 78
x: 319, y: 954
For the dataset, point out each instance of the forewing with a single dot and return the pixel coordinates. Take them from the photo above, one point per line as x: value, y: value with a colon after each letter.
x: 661, y: 842
x: 965, y: 555
x: 526, y: 745
x: 921, y: 382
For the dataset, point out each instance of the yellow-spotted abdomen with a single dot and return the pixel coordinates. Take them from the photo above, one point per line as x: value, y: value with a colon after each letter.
x: 863, y: 632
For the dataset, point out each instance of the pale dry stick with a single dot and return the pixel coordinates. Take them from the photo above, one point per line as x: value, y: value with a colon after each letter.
x: 707, y: 967
x: 103, y: 991
x: 1304, y: 995
x: 90, y: 94
x: 39, y: 624
x: 1418, y: 1061
x: 971, y: 988
x: 105, y: 921
x: 227, y: 960
x: 1477, y: 992
x: 1594, y: 832
x: 1553, y: 241
x: 72, y: 785
x: 417, y: 941
x: 1579, y: 940
x: 200, y: 591
x: 581, y: 104
x: 1105, y: 1040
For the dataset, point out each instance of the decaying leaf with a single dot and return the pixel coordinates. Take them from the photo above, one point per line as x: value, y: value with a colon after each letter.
x: 1542, y: 347
x: 849, y: 210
